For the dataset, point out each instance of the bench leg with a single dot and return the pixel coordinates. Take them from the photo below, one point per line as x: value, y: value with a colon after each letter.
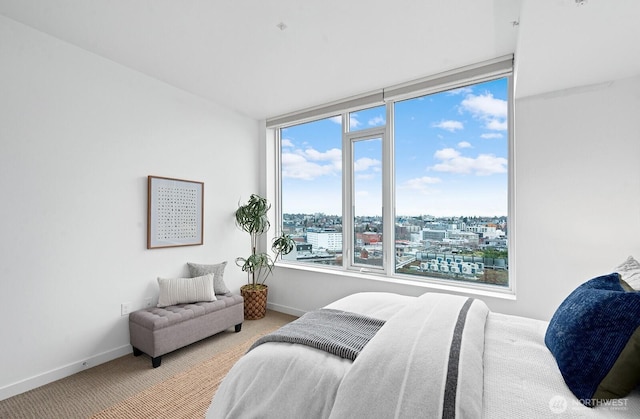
x: 136, y: 351
x: 155, y: 362
x: 238, y: 327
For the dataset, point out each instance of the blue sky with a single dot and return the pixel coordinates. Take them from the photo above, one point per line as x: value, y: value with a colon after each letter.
x: 450, y: 157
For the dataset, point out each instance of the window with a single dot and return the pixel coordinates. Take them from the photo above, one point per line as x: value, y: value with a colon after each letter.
x: 311, y: 190
x: 366, y: 198
x: 451, y: 184
x: 415, y: 186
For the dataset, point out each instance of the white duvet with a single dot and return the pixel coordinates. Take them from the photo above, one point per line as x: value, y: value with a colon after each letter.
x: 520, y: 378
x: 281, y: 380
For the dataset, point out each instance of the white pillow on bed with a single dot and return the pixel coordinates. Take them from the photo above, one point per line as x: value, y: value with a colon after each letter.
x: 629, y: 270
x: 185, y: 290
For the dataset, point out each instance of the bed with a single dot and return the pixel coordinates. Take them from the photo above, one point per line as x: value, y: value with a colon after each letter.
x: 436, y: 355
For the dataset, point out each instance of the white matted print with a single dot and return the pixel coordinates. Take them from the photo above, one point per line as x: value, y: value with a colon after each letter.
x: 175, y: 212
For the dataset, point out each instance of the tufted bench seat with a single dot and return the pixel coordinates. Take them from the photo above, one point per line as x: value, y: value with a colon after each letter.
x: 157, y: 331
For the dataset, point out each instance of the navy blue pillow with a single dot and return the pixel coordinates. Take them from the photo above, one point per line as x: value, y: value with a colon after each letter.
x: 595, y: 338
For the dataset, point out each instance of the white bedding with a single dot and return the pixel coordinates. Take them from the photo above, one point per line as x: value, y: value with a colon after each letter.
x: 426, y: 361
x: 295, y: 378
x: 521, y: 379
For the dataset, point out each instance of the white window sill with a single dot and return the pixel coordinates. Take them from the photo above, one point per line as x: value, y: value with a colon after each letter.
x: 479, y: 290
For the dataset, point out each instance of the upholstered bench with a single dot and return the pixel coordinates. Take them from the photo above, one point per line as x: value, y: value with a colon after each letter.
x: 158, y: 331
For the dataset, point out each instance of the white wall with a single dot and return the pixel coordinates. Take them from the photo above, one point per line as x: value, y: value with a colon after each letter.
x: 78, y: 137
x: 577, y: 202
x: 577, y: 189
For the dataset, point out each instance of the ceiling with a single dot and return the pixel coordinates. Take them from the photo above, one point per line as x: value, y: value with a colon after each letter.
x: 265, y: 58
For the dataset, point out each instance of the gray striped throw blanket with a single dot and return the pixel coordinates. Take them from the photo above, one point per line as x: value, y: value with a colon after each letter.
x: 341, y: 333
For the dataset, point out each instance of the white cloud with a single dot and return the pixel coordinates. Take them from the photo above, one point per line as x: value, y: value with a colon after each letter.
x: 497, y: 124
x: 488, y: 109
x: 446, y: 154
x: 353, y: 121
x: 451, y: 126
x: 491, y: 135
x: 286, y: 142
x: 378, y: 120
x: 460, y: 91
x: 333, y: 154
x: 485, y: 106
x: 452, y: 161
x: 310, y: 164
x: 464, y: 144
x: 297, y: 167
x: 366, y: 163
x: 421, y: 184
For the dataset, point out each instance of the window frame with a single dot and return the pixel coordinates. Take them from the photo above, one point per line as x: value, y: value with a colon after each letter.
x: 349, y: 139
x: 471, y: 75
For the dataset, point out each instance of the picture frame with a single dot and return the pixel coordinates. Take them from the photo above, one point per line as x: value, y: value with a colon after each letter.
x: 175, y: 215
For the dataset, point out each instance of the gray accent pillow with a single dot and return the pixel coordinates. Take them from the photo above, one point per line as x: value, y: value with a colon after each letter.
x: 629, y: 271
x: 196, y: 269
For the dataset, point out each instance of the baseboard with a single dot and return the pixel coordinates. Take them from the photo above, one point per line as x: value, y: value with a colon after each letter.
x: 62, y: 372
x: 285, y: 309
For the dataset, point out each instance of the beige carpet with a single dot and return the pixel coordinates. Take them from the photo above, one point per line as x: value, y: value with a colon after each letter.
x: 186, y: 395
x: 103, y: 389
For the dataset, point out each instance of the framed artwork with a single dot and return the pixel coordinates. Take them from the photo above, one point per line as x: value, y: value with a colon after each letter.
x: 175, y: 214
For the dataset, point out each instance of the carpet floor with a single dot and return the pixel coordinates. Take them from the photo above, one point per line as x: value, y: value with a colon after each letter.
x: 127, y: 387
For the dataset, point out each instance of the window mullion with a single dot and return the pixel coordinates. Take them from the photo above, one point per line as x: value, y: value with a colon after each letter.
x: 388, y: 195
x: 347, y: 195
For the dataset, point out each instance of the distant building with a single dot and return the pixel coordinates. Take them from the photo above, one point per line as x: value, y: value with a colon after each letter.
x: 300, y: 251
x: 429, y: 234
x: 464, y: 237
x: 486, y: 230
x: 441, y: 226
x: 369, y: 237
x: 495, y: 242
x: 303, y: 252
x: 329, y: 240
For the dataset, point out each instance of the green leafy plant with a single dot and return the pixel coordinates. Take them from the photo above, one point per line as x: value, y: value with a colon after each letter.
x: 252, y: 218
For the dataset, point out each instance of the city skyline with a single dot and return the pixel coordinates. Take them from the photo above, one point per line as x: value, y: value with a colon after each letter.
x: 451, y: 157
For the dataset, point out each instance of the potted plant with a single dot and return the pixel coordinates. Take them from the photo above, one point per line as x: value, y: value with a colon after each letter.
x: 252, y: 218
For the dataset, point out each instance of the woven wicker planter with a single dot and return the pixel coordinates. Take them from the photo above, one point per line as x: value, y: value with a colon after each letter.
x: 255, y: 301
